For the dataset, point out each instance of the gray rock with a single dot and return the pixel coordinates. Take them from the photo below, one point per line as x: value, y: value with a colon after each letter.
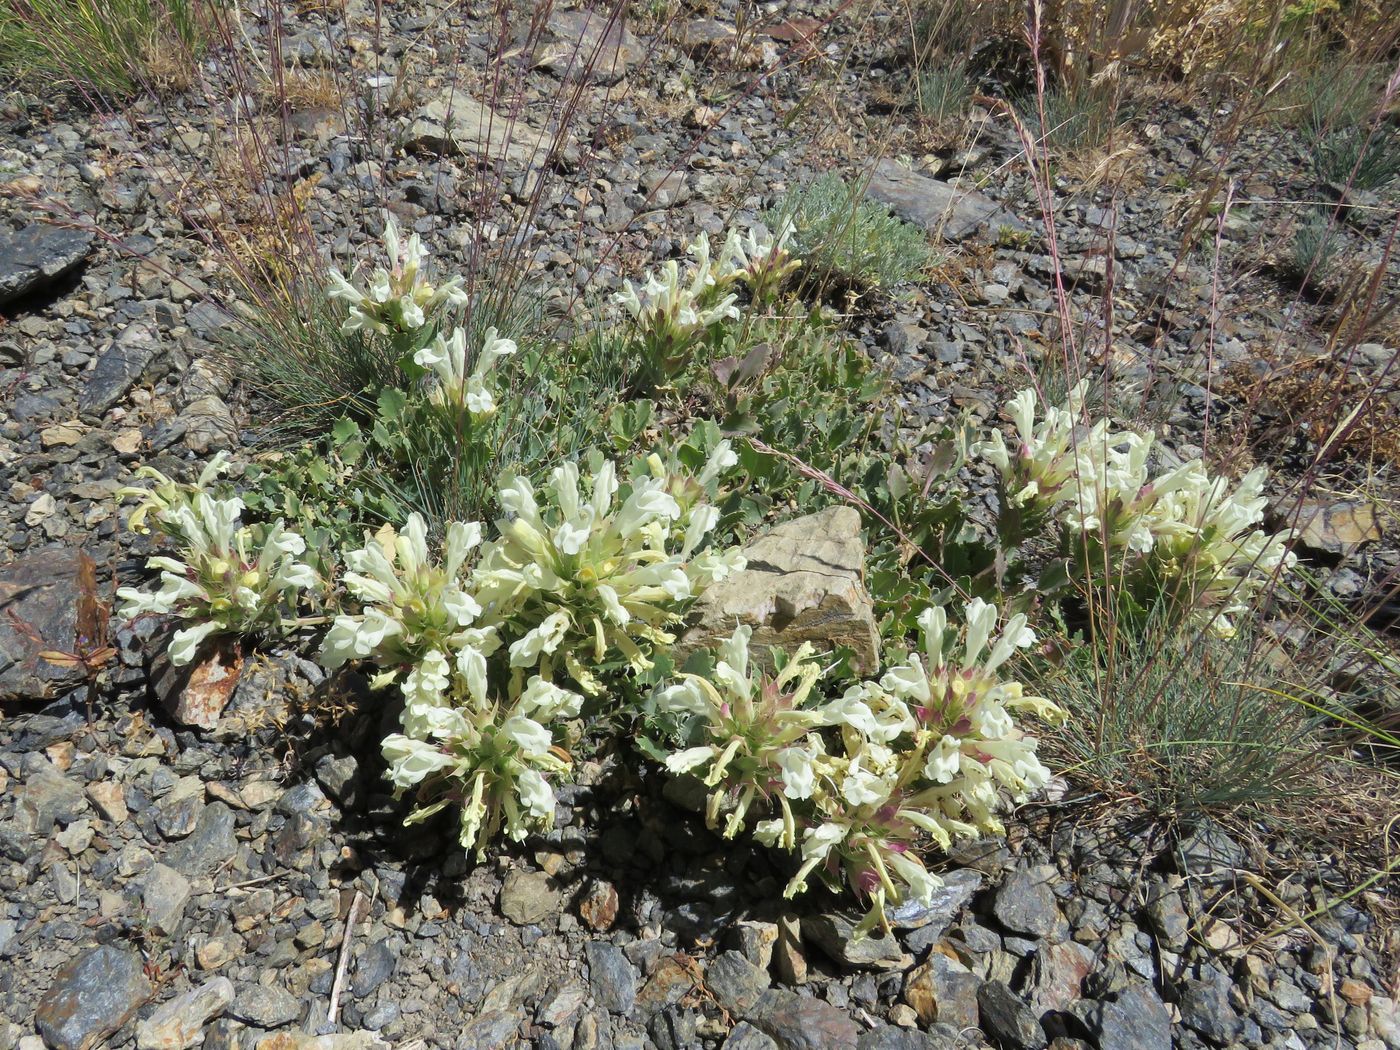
x: 945, y: 211
x: 588, y: 45
x: 892, y: 1037
x: 210, y: 844
x: 1206, y: 1009
x: 454, y: 122
x: 797, y: 1022
x: 180, y: 1022
x: 340, y: 776
x: 39, y: 594
x: 117, y: 370
x: 264, y: 1006
x: 1210, y: 854
x: 38, y: 255
x: 164, y: 894
x: 1058, y: 972
x: 804, y: 582
x: 1025, y: 903
x: 611, y: 978
x: 943, y: 907
x: 92, y: 997
x: 489, y: 1031
x: 47, y: 797
x: 1136, y: 1020
x: 943, y: 991
x: 375, y: 967
x: 527, y: 897
x: 701, y: 35
x: 834, y: 934
x: 209, y: 425
x: 1008, y: 1019
x: 745, y: 1036
x: 735, y: 982
x: 1168, y: 918
x: 177, y: 816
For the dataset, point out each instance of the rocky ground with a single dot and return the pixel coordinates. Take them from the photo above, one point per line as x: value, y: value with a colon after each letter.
x: 176, y: 871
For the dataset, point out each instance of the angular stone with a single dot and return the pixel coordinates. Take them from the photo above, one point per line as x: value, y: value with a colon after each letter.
x: 799, y: 1022
x: 745, y: 1036
x: 945, y: 211
x: 1025, y: 903
x: 735, y: 982
x: 92, y: 997
x: 1206, y: 1009
x: 804, y: 582
x: 210, y: 844
x: 528, y: 897
x: 588, y: 45
x: 1209, y: 854
x: 39, y: 604
x: 598, y: 905
x: 942, y: 908
x: 890, y: 1037
x: 701, y: 35
x: 612, y: 979
x: 454, y: 122
x: 38, y: 255
x: 1136, y: 1020
x: 1008, y: 1019
x: 333, y: 1041
x: 106, y: 795
x: 787, y: 951
x: 1335, y: 530
x: 1169, y: 919
x: 1057, y: 975
x: 834, y: 934
x: 375, y: 967
x: 196, y: 693
x: 117, y: 370
x: 180, y: 1022
x: 209, y: 425
x: 264, y: 1006
x: 164, y: 894
x: 47, y: 797
x: 942, y: 990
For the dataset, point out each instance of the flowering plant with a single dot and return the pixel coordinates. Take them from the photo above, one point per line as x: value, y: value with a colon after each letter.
x: 457, y: 388
x: 672, y: 312
x: 231, y: 578
x: 399, y: 300
x: 853, y: 783
x: 1182, y: 540
x: 600, y: 572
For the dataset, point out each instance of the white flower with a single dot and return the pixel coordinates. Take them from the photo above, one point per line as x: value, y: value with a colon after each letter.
x: 184, y: 644
x: 400, y: 298
x: 798, y: 772
x: 410, y: 761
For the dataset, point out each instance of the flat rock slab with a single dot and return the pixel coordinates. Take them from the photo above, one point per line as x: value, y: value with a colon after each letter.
x: 117, y: 370
x: 588, y: 45
x: 39, y: 596
x: 92, y: 997
x: 945, y: 211
x: 454, y: 122
x: 38, y: 255
x: 804, y: 583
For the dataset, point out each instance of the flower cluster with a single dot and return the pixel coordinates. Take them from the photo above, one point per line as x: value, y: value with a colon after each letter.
x: 592, y: 571
x: 400, y: 300
x: 674, y: 309
x: 853, y: 784
x: 456, y: 387
x: 1181, y: 538
x: 230, y: 578
x: 472, y: 638
x: 757, y: 258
